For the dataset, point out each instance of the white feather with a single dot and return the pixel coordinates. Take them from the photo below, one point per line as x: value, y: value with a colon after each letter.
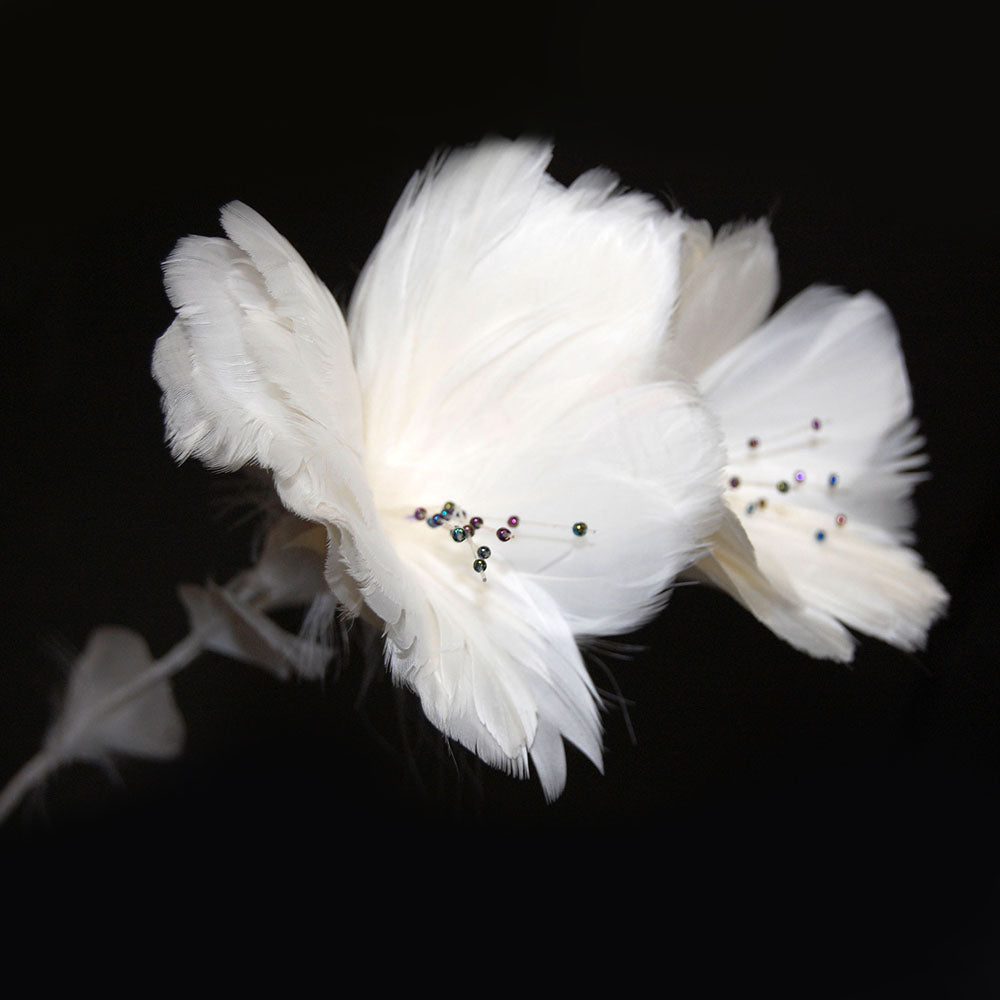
x: 238, y: 629
x: 96, y: 720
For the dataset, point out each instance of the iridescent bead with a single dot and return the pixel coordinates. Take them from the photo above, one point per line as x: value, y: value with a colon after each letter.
x: 483, y: 552
x: 734, y: 482
x: 753, y: 442
x: 420, y: 513
x: 800, y: 476
x: 435, y: 520
x: 834, y: 479
x: 841, y: 519
x: 820, y: 535
x: 469, y: 530
x: 815, y: 424
x: 447, y: 508
x: 458, y: 534
x: 750, y: 508
x: 762, y: 502
x: 479, y: 565
x: 476, y: 522
x: 782, y: 487
x: 504, y: 534
x: 513, y: 520
x: 579, y: 529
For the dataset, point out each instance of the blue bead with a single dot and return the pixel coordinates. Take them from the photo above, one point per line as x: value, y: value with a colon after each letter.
x: 435, y: 520
x: 820, y: 535
x: 579, y: 529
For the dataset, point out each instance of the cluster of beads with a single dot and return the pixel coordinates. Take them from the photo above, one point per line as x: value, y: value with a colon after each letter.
x: 798, y: 477
x: 468, y: 526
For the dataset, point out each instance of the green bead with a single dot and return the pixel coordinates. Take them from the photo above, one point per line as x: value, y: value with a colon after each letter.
x: 579, y: 529
x: 458, y: 534
x: 782, y: 487
x: 479, y: 565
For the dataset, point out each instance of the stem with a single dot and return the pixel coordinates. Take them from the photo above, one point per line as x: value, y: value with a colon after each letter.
x: 57, y: 753
x: 31, y: 774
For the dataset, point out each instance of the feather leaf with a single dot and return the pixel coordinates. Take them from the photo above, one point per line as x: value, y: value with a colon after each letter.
x: 108, y: 709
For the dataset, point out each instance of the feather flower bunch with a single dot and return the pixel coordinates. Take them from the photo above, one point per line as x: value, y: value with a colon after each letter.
x: 543, y: 404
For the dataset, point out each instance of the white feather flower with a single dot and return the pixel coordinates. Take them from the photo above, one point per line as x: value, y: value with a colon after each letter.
x: 823, y: 453
x: 503, y: 354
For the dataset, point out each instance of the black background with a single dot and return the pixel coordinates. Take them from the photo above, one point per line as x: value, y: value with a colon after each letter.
x: 775, y: 818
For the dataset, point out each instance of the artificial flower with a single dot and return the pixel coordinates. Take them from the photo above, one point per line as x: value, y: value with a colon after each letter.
x: 495, y: 439
x: 815, y: 410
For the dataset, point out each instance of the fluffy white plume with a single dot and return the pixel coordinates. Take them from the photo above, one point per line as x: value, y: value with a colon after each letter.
x: 815, y: 410
x: 500, y: 348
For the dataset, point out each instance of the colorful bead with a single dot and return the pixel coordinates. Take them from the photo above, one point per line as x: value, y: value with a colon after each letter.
x: 753, y: 442
x: 476, y: 522
x: 762, y: 502
x: 750, y: 508
x: 782, y: 487
x: 504, y: 534
x: 815, y: 424
x: 479, y: 565
x: 458, y: 534
x: 435, y: 520
x: 420, y: 513
x: 841, y: 519
x: 800, y: 476
x: 447, y: 508
x: 834, y: 479
x: 483, y: 552
x: 469, y: 530
x: 579, y: 529
x: 513, y: 520
x: 820, y: 535
x: 734, y: 482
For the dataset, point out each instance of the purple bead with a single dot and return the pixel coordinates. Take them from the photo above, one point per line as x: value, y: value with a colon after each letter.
x: 468, y: 529
x: 753, y: 442
x: 734, y: 482
x: 476, y: 522
x: 513, y: 520
x: 504, y: 534
x: 815, y: 424
x: 800, y: 476
x: 420, y: 513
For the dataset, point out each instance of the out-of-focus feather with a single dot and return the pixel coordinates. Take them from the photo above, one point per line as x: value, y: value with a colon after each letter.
x: 107, y: 709
x: 237, y: 629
